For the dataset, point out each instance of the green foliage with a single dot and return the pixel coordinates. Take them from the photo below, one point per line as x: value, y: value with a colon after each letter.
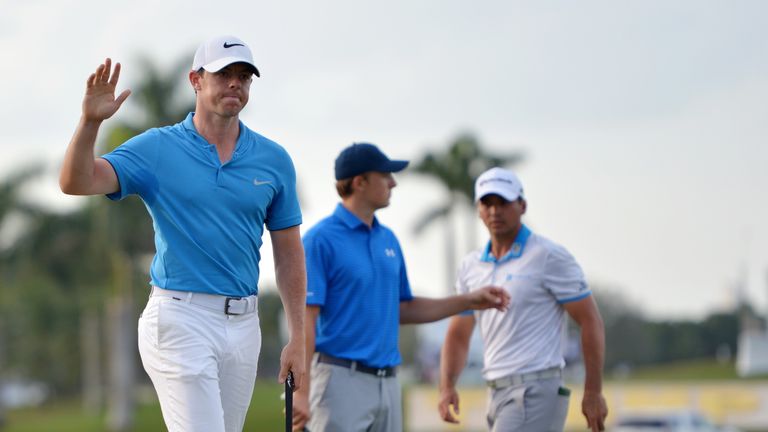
x: 633, y: 340
x: 10, y: 188
x: 265, y: 414
x: 270, y: 316
x: 165, y: 97
x: 690, y: 370
x: 456, y: 168
x: 463, y: 161
x: 59, y: 265
x: 40, y: 325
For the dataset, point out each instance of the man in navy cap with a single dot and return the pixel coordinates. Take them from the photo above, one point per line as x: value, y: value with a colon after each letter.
x: 357, y: 295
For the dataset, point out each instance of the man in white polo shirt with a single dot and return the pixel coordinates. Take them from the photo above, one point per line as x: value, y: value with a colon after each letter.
x: 523, y: 345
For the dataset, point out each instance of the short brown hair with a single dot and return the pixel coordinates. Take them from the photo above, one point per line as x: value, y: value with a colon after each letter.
x: 344, y: 186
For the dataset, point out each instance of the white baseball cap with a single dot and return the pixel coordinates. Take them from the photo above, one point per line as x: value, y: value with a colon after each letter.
x: 499, y: 181
x: 214, y: 54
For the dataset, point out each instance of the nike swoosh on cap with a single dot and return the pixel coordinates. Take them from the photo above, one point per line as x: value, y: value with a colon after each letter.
x: 229, y: 45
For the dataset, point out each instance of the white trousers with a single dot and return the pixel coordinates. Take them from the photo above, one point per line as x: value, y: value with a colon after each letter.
x: 201, y: 361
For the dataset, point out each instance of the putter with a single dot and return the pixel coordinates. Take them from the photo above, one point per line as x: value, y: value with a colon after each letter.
x: 289, y: 402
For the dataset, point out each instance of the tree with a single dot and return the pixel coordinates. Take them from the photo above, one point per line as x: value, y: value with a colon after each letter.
x: 456, y: 169
x: 629, y: 339
x: 55, y: 272
x: 10, y: 204
x: 126, y: 226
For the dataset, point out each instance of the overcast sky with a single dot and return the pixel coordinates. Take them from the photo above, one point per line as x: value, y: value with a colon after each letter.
x: 644, y: 123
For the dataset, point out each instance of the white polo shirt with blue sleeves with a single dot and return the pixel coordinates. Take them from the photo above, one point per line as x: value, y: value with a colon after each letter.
x: 357, y: 276
x: 540, y: 276
x: 208, y: 217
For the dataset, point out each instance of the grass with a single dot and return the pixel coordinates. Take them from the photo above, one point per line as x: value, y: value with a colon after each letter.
x: 265, y: 413
x: 693, y: 370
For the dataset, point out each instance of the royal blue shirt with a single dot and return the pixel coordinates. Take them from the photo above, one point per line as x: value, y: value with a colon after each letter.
x: 357, y: 276
x: 208, y: 217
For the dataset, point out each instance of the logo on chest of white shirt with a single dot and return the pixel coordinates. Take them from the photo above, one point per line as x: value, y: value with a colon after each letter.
x: 389, y: 252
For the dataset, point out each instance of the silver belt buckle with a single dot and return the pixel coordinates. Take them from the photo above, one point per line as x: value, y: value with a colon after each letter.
x: 506, y: 381
x: 499, y: 383
x: 238, y: 308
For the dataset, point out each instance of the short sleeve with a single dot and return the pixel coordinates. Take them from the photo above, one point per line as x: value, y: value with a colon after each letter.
x: 405, y: 285
x: 284, y: 211
x: 134, y: 163
x: 461, y: 281
x: 563, y: 276
x: 461, y: 285
x: 317, y: 277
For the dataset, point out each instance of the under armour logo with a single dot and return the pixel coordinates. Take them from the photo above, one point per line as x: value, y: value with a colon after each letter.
x: 389, y: 252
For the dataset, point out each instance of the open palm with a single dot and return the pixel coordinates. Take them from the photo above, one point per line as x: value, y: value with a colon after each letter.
x: 99, y: 102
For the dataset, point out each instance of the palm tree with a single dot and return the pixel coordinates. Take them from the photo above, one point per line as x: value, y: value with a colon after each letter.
x: 57, y: 269
x: 161, y: 99
x: 456, y: 169
x: 10, y: 204
x: 72, y: 257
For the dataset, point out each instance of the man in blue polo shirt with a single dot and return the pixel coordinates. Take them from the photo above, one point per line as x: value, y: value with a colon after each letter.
x: 210, y: 185
x: 357, y: 296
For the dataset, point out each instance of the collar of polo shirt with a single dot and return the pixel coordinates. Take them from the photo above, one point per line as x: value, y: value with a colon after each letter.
x: 514, y: 252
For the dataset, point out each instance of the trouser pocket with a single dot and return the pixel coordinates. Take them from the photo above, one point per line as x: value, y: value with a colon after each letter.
x: 561, y: 409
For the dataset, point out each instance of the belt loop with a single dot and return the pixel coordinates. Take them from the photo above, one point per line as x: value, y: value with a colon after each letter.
x: 353, y: 366
x: 189, y: 296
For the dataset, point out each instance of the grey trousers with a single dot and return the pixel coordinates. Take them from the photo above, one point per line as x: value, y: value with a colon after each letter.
x: 344, y: 400
x: 536, y: 406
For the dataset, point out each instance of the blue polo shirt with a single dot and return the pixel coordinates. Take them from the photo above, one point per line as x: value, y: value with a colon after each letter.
x: 357, y: 276
x: 208, y: 217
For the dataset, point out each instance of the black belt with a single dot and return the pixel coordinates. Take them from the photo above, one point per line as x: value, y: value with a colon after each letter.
x: 350, y: 364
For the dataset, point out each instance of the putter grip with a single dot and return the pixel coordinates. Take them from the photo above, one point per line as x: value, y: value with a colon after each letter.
x: 289, y: 402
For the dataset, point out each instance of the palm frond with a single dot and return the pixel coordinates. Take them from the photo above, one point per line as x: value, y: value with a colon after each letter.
x: 431, y: 216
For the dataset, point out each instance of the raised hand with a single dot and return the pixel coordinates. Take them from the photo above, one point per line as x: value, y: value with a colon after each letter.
x: 99, y: 102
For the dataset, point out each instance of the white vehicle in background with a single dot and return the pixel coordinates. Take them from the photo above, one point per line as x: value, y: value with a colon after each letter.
x: 672, y: 421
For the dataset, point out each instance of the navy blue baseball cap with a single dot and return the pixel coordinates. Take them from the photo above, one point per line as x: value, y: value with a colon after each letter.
x: 363, y: 157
